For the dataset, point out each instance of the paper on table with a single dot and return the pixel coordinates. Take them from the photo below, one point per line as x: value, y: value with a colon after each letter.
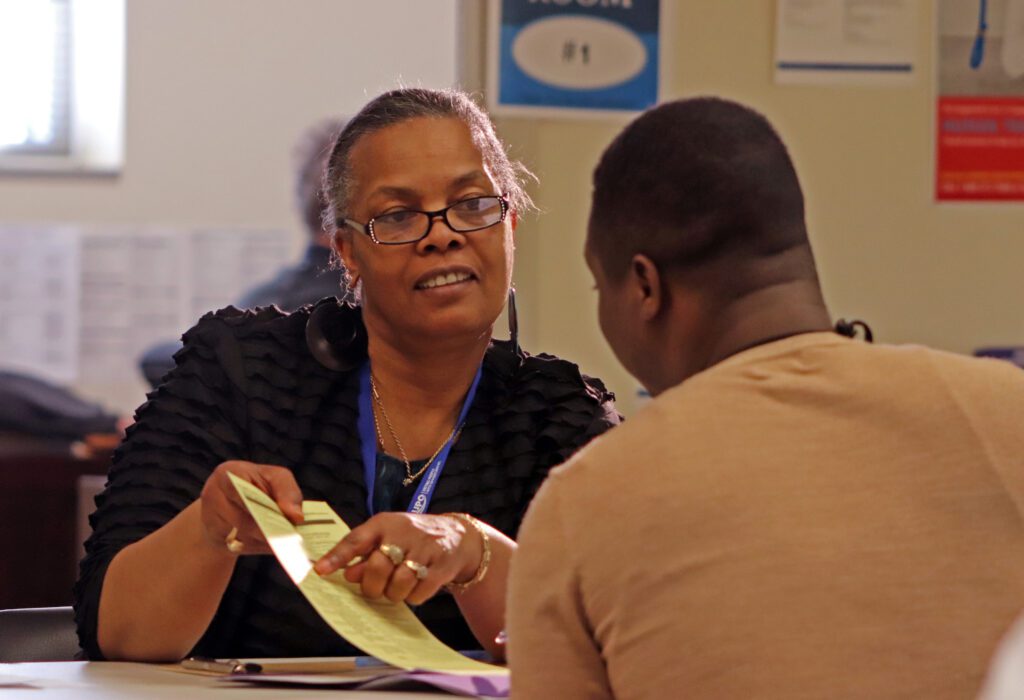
x: 9, y: 681
x: 478, y: 686
x: 386, y: 630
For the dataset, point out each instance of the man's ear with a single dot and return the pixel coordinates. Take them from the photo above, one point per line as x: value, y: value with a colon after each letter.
x: 645, y: 284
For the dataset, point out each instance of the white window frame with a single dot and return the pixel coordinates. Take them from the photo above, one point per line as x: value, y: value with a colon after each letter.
x: 97, y: 99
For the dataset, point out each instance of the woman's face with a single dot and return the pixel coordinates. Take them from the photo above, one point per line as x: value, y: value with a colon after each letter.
x: 448, y: 284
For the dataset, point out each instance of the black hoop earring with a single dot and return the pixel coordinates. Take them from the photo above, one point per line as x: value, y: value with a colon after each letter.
x: 513, y: 320
x: 849, y: 329
x: 336, y: 336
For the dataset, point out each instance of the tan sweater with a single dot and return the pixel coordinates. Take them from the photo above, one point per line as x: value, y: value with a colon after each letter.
x: 812, y: 518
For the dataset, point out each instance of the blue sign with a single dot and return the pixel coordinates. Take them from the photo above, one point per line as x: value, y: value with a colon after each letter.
x: 579, y: 54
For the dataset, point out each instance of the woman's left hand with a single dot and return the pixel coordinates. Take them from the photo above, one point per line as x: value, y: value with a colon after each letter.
x: 445, y: 546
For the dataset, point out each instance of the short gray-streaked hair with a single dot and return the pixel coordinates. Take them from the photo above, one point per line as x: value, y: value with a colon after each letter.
x: 409, y: 103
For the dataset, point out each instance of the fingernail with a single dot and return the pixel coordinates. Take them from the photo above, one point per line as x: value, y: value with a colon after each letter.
x: 326, y: 565
x: 357, y: 559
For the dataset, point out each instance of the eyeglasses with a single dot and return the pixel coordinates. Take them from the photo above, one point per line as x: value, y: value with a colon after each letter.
x: 411, y: 225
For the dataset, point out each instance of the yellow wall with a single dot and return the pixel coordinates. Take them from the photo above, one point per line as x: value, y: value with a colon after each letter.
x: 947, y: 275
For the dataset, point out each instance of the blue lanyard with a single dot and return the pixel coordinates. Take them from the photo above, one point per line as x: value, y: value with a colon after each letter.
x: 978, y: 49
x: 368, y: 439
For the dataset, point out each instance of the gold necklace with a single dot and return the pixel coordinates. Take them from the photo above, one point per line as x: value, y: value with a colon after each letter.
x: 409, y: 476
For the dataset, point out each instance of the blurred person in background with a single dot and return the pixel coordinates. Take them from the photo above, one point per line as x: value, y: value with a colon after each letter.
x: 313, y: 277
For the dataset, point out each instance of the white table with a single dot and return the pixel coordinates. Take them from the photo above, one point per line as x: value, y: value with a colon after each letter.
x: 75, y: 680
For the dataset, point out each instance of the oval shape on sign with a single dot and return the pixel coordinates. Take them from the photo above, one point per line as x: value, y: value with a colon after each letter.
x: 584, y: 53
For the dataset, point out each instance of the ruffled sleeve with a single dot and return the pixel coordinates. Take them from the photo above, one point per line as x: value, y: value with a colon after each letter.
x: 191, y: 423
x: 577, y: 408
x: 531, y: 414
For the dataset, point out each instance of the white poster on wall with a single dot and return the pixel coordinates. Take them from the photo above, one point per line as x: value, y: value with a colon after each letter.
x: 83, y: 303
x: 863, y: 42
x: 39, y: 300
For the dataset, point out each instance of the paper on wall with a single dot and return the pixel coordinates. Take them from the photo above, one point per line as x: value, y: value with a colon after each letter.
x: 83, y: 303
x: 866, y: 42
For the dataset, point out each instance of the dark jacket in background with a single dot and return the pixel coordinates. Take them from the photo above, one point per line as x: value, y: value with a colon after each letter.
x: 309, y: 281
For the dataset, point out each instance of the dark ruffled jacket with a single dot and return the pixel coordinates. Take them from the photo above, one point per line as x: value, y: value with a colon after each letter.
x: 246, y: 386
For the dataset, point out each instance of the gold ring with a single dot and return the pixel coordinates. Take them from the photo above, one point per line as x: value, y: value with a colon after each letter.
x: 393, y: 552
x: 420, y: 570
x: 234, y: 544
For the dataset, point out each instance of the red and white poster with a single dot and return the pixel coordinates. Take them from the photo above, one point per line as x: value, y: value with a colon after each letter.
x: 980, y: 108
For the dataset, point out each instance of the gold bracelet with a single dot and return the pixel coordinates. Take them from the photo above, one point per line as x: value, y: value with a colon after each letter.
x: 485, y: 559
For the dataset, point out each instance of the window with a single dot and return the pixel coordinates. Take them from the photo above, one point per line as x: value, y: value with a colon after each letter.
x: 61, y: 85
x: 34, y: 76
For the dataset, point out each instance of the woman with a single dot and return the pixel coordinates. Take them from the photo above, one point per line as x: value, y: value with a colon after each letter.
x: 404, y: 404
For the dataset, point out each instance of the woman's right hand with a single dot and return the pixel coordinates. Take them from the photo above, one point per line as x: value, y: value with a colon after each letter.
x: 133, y: 622
x: 222, y: 509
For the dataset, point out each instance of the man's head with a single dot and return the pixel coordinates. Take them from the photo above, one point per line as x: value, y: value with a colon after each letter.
x: 696, y: 210
x: 309, y: 159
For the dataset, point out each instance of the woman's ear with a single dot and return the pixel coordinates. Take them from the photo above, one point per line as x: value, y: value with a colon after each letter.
x: 515, y: 219
x: 341, y: 242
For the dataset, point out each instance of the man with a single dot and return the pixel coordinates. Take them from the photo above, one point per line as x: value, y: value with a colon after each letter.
x: 312, y: 278
x: 797, y: 514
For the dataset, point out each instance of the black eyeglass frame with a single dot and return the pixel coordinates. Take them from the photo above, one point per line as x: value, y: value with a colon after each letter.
x: 367, y: 228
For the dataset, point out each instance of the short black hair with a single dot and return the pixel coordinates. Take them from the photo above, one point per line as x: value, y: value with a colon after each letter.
x: 693, y: 182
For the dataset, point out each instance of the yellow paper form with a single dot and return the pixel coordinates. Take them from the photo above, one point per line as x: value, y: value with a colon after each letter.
x: 386, y: 630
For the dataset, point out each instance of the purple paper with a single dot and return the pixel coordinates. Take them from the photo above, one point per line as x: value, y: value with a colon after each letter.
x: 483, y: 686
